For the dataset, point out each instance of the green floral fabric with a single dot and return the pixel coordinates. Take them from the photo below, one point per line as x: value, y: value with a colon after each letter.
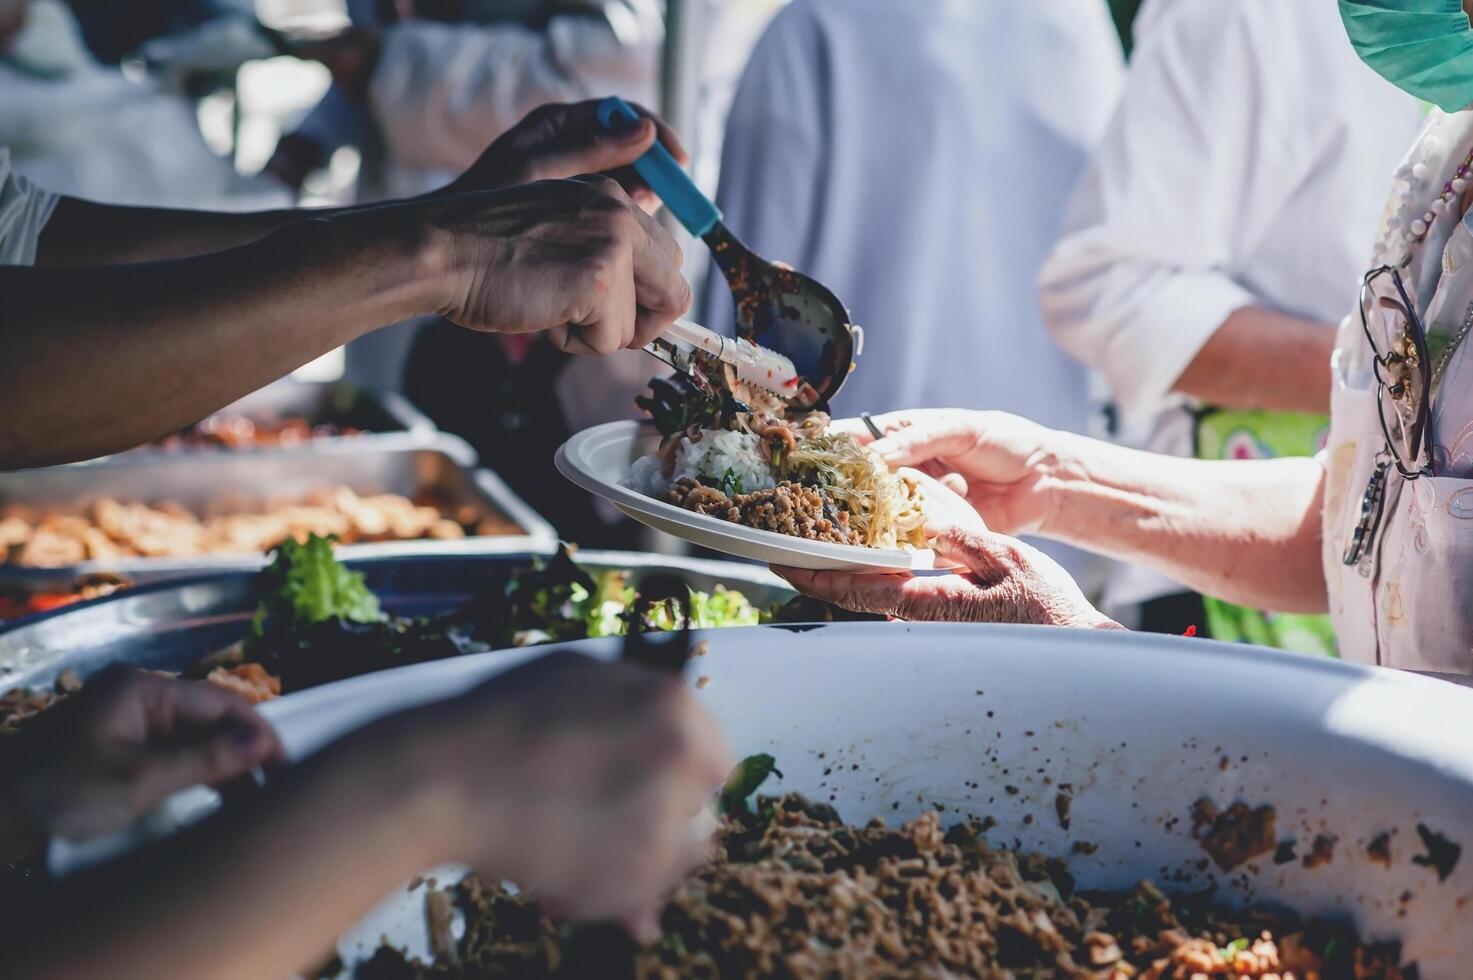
x: 1223, y: 434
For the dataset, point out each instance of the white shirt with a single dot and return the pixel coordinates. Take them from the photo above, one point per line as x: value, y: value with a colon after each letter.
x: 1246, y: 165
x: 24, y: 211
x: 441, y: 92
x: 916, y: 158
x: 1406, y: 603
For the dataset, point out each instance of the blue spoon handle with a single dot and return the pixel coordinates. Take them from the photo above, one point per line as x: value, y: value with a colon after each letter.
x: 665, y: 176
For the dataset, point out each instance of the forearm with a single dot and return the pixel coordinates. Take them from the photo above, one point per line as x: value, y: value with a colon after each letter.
x: 1246, y: 532
x: 82, y: 233
x: 1260, y: 359
x: 102, y: 359
x: 259, y: 892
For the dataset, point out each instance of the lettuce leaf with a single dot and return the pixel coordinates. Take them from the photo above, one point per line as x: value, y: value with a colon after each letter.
x: 305, y: 583
x: 720, y: 608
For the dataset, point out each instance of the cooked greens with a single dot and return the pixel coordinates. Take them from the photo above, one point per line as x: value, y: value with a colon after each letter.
x: 319, y: 622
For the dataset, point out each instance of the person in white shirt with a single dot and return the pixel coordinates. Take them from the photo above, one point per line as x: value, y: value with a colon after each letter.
x: 916, y: 158
x: 1218, y: 233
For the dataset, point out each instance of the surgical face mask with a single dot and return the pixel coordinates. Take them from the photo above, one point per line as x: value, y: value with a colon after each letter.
x: 1424, y: 47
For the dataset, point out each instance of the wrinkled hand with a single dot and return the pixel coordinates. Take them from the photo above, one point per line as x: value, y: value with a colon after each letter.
x: 559, y: 141
x: 574, y: 258
x: 581, y: 780
x: 1005, y: 581
x: 944, y: 502
x: 996, y: 460
x: 96, y: 762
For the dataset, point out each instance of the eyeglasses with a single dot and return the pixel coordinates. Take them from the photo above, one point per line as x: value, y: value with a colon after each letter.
x: 1403, y: 370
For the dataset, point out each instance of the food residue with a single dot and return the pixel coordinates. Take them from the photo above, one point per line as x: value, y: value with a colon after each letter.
x: 1235, y: 835
x: 1321, y: 852
x: 1442, y: 854
x: 1062, y: 805
x: 1379, y: 849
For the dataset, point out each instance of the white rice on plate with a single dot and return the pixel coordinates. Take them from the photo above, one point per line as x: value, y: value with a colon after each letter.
x: 709, y: 458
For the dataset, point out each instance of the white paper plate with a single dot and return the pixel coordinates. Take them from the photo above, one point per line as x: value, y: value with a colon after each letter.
x: 599, y: 460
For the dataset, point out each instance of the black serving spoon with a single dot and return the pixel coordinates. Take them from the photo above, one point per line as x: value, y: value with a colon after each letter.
x: 776, y: 307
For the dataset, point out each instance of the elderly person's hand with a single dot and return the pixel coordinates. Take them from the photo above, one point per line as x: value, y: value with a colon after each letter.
x: 558, y: 141
x: 130, y: 738
x: 999, y: 462
x: 1003, y: 581
x: 996, y: 461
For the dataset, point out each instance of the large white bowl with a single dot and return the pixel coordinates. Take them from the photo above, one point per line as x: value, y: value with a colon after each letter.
x: 599, y: 461
x: 895, y: 721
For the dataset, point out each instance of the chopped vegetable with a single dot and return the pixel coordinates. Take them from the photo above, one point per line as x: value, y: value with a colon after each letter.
x: 682, y: 402
x: 745, y: 780
x: 1232, y: 949
x: 722, y: 608
x: 730, y: 484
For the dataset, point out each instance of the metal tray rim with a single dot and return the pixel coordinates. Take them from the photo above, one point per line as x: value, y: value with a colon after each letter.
x: 415, y: 426
x: 716, y: 568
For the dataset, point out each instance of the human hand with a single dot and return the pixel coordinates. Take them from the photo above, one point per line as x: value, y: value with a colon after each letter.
x: 1005, y: 581
x: 96, y: 762
x: 944, y: 502
x: 999, y: 462
x: 559, y: 141
x: 574, y: 258
x: 579, y: 780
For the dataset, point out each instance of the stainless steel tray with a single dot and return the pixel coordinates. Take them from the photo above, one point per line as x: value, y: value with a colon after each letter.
x: 405, y: 463
x: 341, y: 402
x: 169, y: 625
x: 377, y: 413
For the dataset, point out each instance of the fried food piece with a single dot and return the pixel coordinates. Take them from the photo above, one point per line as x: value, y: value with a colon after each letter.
x: 110, y: 529
x: 250, y: 681
x: 48, y: 548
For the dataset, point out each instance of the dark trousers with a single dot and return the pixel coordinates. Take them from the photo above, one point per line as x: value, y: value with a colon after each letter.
x: 1173, y: 614
x: 510, y: 415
